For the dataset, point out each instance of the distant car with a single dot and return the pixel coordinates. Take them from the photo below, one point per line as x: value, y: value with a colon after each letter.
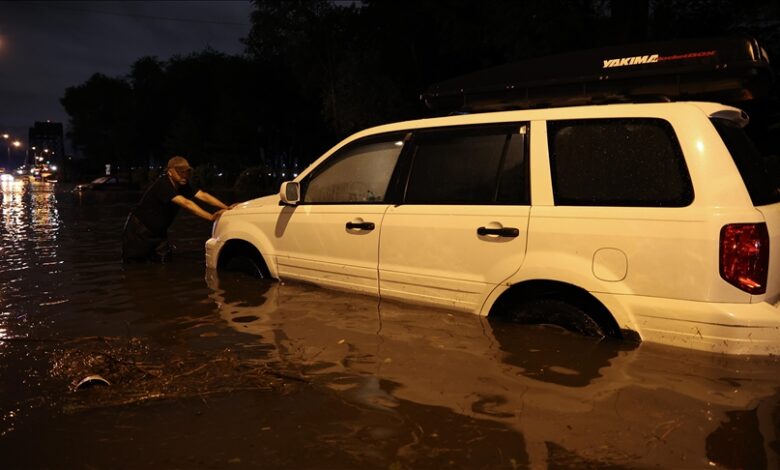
x: 103, y: 183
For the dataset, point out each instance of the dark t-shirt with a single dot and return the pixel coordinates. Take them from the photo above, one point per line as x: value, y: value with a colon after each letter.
x: 156, y: 209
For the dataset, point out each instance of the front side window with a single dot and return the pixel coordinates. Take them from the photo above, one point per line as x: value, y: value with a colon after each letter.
x: 617, y: 162
x: 358, y: 173
x: 473, y: 165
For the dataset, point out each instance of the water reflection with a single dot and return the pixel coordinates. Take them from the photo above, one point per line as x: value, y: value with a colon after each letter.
x: 29, y: 233
x: 737, y: 443
x: 555, y: 356
x: 573, y: 401
x: 29, y: 223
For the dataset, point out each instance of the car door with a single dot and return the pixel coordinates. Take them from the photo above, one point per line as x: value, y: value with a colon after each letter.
x: 331, y: 237
x: 462, y: 227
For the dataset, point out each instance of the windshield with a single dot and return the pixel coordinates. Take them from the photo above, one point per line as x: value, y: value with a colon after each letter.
x: 760, y: 174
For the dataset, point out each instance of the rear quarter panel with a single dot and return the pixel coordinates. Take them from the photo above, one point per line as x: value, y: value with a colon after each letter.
x: 668, y: 252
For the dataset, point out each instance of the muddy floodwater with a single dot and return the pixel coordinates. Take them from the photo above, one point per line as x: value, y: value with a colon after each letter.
x: 173, y: 366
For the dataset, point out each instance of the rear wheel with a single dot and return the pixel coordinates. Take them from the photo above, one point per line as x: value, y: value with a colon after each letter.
x: 556, y: 313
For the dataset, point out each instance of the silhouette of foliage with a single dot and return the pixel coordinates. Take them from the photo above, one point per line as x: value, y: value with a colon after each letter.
x: 315, y: 71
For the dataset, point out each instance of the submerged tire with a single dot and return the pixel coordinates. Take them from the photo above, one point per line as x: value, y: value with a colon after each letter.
x: 556, y: 313
x: 246, y: 265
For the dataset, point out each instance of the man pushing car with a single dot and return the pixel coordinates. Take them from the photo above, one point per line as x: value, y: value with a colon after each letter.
x: 145, y: 235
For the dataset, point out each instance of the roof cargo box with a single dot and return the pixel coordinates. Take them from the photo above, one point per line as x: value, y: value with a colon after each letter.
x: 728, y: 70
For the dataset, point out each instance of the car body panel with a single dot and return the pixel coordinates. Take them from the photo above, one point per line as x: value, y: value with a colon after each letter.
x: 433, y: 254
x: 313, y: 244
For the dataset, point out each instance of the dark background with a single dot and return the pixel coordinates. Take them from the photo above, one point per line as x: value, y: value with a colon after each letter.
x: 310, y: 72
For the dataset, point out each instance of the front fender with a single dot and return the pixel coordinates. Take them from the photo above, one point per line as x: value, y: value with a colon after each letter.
x: 250, y: 233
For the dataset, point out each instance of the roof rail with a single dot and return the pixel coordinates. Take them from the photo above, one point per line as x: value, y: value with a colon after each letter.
x: 728, y: 70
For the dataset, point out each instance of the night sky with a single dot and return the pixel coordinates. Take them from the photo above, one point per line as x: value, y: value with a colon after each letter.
x: 47, y: 46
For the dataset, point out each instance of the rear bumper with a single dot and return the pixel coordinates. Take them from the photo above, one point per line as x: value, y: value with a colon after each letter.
x: 751, y: 329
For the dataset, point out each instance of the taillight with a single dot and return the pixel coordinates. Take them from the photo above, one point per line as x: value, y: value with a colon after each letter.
x: 744, y: 256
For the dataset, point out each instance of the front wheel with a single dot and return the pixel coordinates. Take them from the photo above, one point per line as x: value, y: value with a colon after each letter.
x: 246, y: 265
x: 556, y: 313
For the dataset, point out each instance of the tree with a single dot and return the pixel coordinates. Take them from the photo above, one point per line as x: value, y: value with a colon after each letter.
x: 152, y: 109
x: 317, y: 70
x: 101, y: 113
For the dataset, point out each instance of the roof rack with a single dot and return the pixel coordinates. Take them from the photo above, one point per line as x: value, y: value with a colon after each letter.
x: 728, y: 70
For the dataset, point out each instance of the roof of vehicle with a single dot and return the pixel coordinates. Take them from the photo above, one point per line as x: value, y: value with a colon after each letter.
x: 623, y: 110
x: 727, y: 70
x: 576, y: 112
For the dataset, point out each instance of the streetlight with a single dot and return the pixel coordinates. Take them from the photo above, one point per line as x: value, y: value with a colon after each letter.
x: 10, y: 143
x: 8, y: 147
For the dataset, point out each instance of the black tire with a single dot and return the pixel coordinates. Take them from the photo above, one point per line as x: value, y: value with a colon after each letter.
x: 556, y: 313
x: 246, y: 265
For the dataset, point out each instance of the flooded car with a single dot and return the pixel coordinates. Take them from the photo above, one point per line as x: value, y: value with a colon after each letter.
x: 645, y: 219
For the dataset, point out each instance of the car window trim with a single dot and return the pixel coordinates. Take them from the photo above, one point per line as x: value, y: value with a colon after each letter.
x: 687, y: 198
x: 328, y: 162
x: 410, y: 151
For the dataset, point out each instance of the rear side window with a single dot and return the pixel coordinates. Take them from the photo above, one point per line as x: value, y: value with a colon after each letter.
x: 617, y: 162
x: 760, y: 181
x: 470, y: 165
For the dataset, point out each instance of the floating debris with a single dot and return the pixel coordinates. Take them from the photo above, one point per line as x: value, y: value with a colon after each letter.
x: 91, y: 381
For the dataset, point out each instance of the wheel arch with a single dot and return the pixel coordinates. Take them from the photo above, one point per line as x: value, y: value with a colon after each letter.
x: 240, y: 247
x: 547, y: 289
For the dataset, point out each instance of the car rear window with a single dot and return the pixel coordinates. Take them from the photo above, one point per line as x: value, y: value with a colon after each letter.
x: 761, y: 183
x: 617, y: 162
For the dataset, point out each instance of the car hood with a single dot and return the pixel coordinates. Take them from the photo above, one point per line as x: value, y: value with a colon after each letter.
x: 272, y: 200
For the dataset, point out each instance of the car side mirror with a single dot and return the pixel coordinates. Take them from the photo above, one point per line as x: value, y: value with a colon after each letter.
x: 290, y: 193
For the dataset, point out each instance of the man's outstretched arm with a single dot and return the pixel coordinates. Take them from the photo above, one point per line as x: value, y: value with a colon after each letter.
x: 211, y: 200
x: 196, y: 209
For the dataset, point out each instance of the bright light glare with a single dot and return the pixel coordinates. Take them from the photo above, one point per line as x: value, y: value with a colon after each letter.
x: 5, y: 178
x: 700, y: 146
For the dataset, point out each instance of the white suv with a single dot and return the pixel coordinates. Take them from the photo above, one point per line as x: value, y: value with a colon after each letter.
x: 649, y: 221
